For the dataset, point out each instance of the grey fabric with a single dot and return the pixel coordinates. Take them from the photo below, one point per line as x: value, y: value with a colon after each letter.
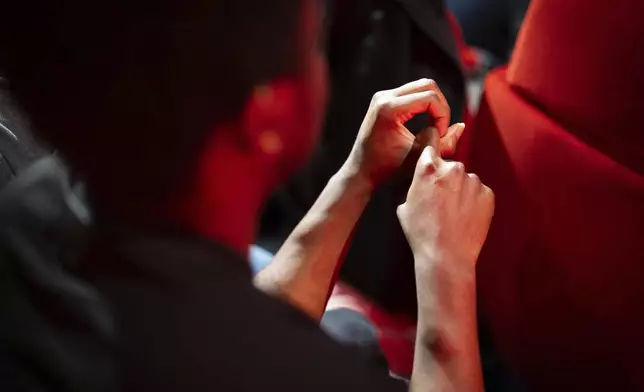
x: 349, y: 327
x: 352, y: 329
x: 18, y: 149
x: 54, y: 329
x: 190, y: 319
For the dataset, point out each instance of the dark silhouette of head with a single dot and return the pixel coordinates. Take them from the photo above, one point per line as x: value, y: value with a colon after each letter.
x: 147, y: 98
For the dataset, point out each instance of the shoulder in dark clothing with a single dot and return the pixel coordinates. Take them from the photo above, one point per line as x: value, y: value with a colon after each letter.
x: 55, y: 330
x: 190, y: 319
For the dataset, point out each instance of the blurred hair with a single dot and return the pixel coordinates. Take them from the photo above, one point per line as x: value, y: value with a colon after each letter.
x: 129, y: 91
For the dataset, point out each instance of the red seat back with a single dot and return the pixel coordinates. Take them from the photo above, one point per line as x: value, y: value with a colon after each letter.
x: 560, y: 139
x: 561, y: 277
x: 582, y: 63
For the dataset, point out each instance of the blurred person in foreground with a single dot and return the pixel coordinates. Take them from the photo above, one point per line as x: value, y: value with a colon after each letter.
x: 182, y: 117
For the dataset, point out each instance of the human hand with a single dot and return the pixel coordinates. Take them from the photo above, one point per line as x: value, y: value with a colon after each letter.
x: 447, y: 213
x: 384, y: 142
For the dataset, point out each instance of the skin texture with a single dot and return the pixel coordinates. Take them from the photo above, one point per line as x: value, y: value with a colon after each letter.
x: 304, y: 268
x: 446, y: 219
x: 246, y: 159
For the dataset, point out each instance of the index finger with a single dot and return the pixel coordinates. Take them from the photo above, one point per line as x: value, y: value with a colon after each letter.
x: 430, y: 158
x: 434, y: 139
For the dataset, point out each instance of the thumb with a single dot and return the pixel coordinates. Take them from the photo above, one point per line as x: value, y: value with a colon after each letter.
x: 450, y: 141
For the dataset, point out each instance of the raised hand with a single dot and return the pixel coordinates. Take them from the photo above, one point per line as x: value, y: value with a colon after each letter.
x: 447, y: 213
x: 384, y: 142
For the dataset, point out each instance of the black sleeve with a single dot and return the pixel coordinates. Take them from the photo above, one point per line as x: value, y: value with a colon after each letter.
x: 189, y: 319
x: 298, y: 356
x: 241, y: 341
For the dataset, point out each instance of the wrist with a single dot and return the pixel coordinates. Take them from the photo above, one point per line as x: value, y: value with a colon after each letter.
x: 351, y: 175
x: 446, y: 298
x: 448, y: 267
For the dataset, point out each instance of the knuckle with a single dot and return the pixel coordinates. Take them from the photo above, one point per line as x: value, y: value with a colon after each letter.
x: 384, y: 105
x: 489, y: 194
x: 455, y: 172
x: 378, y: 97
x: 430, y: 83
x: 428, y: 166
x: 457, y: 168
x: 400, y: 211
x: 474, y: 177
x: 433, y: 95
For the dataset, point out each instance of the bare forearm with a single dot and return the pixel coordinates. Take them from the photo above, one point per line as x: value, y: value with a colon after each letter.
x: 447, y: 353
x: 303, y: 269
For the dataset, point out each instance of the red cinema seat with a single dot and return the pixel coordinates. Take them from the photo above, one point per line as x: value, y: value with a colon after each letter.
x: 560, y: 139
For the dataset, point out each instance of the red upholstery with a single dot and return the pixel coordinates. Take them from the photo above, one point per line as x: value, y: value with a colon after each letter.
x: 582, y: 63
x: 560, y: 139
x: 469, y: 58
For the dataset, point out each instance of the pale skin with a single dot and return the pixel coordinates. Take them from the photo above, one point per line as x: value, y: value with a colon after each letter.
x: 304, y: 268
x: 455, y: 211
